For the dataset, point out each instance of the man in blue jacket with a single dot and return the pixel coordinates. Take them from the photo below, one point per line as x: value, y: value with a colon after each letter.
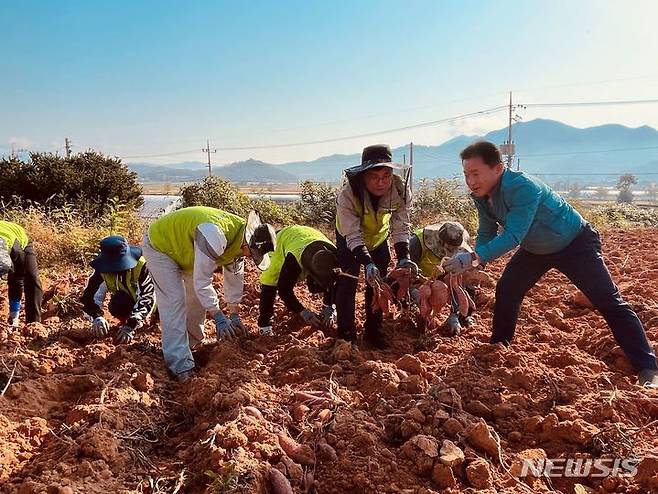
x: 550, y: 234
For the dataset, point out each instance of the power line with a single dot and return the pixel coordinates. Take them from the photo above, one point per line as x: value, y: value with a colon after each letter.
x: 368, y: 134
x: 591, y: 103
x: 175, y: 153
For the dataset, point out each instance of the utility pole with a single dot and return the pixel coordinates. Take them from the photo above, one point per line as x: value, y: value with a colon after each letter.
x: 411, y: 167
x: 508, y: 148
x: 67, y: 146
x: 208, y: 150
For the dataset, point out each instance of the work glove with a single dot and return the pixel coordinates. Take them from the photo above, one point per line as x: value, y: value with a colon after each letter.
x: 452, y: 325
x: 224, y: 327
x: 12, y: 320
x: 266, y: 331
x: 125, y: 334
x: 311, y: 319
x: 328, y: 316
x: 238, y: 326
x: 100, y: 327
x: 458, y: 263
x: 408, y: 264
x: 414, y: 295
x: 372, y: 274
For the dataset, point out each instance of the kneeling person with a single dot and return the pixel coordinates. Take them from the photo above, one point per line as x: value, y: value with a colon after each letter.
x: 119, y: 269
x: 428, y: 247
x: 301, y: 253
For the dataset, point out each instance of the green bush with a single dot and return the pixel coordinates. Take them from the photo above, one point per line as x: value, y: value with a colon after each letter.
x: 85, y: 182
x: 442, y: 199
x: 220, y: 193
x: 618, y: 216
x: 216, y: 192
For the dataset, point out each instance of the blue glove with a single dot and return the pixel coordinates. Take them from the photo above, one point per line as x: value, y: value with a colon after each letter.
x: 460, y: 262
x: 311, y: 319
x: 224, y: 327
x: 408, y: 264
x: 238, y: 327
x: 372, y: 274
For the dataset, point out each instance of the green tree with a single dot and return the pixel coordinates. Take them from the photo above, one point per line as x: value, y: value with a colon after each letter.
x: 317, y: 203
x: 218, y: 193
x: 624, y: 185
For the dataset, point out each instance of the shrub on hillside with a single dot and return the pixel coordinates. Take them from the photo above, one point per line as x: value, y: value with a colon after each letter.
x: 85, y: 182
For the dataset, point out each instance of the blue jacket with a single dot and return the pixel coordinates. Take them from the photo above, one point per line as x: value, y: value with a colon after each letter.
x: 531, y: 215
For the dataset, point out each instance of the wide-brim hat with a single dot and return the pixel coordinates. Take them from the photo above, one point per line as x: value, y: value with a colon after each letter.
x: 320, y: 260
x: 376, y: 156
x: 261, y: 239
x: 116, y: 255
x: 447, y: 233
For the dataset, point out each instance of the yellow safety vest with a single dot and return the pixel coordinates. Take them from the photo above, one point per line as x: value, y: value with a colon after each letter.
x: 173, y: 234
x: 114, y: 283
x: 290, y: 240
x: 10, y: 232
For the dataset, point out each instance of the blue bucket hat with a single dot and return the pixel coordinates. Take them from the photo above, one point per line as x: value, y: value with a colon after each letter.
x: 116, y: 255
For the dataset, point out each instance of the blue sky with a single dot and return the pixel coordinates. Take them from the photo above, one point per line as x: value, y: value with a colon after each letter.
x: 151, y: 77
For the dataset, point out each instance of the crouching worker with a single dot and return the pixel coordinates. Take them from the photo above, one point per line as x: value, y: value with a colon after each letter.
x: 18, y: 263
x: 428, y: 247
x: 183, y: 250
x: 371, y: 207
x: 301, y: 253
x: 549, y: 234
x: 119, y: 269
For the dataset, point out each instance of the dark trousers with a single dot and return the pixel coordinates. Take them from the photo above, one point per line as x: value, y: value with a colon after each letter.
x: 346, y: 288
x: 25, y: 278
x: 581, y: 261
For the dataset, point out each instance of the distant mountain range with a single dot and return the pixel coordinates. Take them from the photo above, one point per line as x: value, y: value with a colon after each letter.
x: 544, y: 147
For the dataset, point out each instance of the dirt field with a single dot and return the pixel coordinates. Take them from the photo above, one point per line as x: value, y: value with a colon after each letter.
x: 89, y: 417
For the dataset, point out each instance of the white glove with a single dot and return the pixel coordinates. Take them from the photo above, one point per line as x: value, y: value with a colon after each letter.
x: 12, y: 320
x: 100, y: 327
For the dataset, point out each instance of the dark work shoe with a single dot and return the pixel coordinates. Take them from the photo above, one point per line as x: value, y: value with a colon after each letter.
x: 374, y: 337
x: 648, y: 378
x: 185, y: 376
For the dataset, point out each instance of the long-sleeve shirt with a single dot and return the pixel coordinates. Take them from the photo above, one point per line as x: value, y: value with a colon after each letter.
x: 288, y: 277
x: 209, y: 244
x: 96, y: 291
x: 353, y: 201
x: 531, y: 215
